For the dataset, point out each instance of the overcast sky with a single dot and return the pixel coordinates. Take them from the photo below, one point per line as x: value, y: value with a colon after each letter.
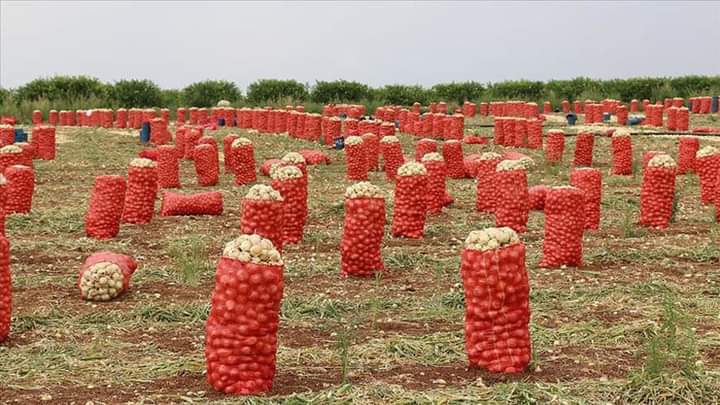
x: 175, y: 43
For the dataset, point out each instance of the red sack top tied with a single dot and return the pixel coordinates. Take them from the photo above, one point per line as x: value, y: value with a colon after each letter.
x: 707, y: 166
x: 371, y: 143
x: 536, y: 197
x: 363, y: 230
x: 486, y: 188
x: 555, y: 145
x: 393, y: 156
x: 19, y: 190
x: 262, y: 214
x: 355, y: 159
x: 243, y: 158
x: 423, y: 147
x: 105, y: 275
x: 564, y: 227
x: 622, y: 154
x: 410, y: 201
x: 168, y: 167
x: 512, y: 204
x: 584, y: 142
x: 657, y: 192
x: 687, y: 150
x: 210, y: 203
x: 292, y: 185
x: 141, y: 191
x: 453, y: 155
x: 206, y: 165
x: 590, y: 182
x: 106, y: 207
x: 436, y: 195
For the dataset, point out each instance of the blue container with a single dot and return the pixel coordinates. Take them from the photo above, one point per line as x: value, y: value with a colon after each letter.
x: 606, y: 117
x: 634, y: 120
x: 339, y: 143
x: 145, y: 132
x: 20, y: 135
x: 221, y: 122
x: 714, y: 106
x: 689, y: 105
x: 571, y: 118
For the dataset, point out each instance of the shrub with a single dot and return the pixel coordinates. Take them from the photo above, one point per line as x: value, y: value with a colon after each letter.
x: 137, y: 93
x: 207, y: 93
x: 271, y: 90
x: 62, y: 88
x: 458, y: 92
x: 340, y: 91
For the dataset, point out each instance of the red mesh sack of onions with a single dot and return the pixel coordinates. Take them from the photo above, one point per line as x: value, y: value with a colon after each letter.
x: 26, y: 156
x: 296, y: 159
x: 687, y: 150
x: 486, y: 187
x: 392, y: 156
x: 584, y: 142
x: 191, y: 139
x: 10, y: 155
x: 292, y: 185
x: 262, y: 214
x: 228, y: 157
x: 622, y: 155
x: 536, y: 197
x: 424, y: 146
x: 168, y: 167
x: 590, y: 182
x: 141, y: 191
x: 470, y: 163
x: 241, y: 329
x: 315, y: 157
x: 355, y: 159
x: 436, y: 196
x: 521, y: 126
x: 453, y: 155
x: 5, y: 289
x: 19, y: 189
x: 351, y: 127
x: 509, y: 131
x: 497, y: 304
x: 410, y: 201
x: 564, y: 227
x: 707, y: 165
x: 555, y: 145
x: 647, y: 156
x: 105, y: 276
x: 474, y: 140
x: 206, y: 165
x: 511, y: 203
x: 363, y: 230
x: 371, y: 144
x: 243, y: 157
x: 106, y: 207
x: 657, y: 192
x: 43, y: 137
x: 3, y: 198
x: 7, y: 134
x: 268, y: 165
x: 175, y: 204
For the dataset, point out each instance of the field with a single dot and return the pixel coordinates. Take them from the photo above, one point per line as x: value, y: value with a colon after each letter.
x: 640, y: 322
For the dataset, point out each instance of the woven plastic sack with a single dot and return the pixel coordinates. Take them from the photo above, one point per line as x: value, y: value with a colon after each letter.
x: 264, y: 218
x: 512, y: 202
x: 356, y: 160
x: 589, y: 181
x: 564, y: 227
x: 656, y: 196
x: 92, y: 288
x: 707, y: 168
x: 174, y: 204
x: 107, y: 200
x: 453, y: 156
x: 536, y: 197
x: 687, y: 150
x: 168, y: 167
x: 423, y: 147
x: 622, y: 155
x: 241, y: 329
x: 486, y: 186
x: 392, y: 158
x: 436, y: 193
x: 363, y: 230
x: 5, y: 289
x: 19, y: 189
x: 555, y: 146
x: 410, y: 206
x: 206, y: 165
x: 584, y: 142
x: 497, y: 309
x: 140, y: 193
x: 295, y: 207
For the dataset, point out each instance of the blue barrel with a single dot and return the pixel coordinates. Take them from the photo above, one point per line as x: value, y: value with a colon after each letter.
x: 689, y: 104
x: 145, y: 132
x: 339, y: 142
x: 20, y: 135
x: 714, y: 106
x: 606, y: 117
x: 634, y: 120
x: 221, y: 122
x: 571, y: 118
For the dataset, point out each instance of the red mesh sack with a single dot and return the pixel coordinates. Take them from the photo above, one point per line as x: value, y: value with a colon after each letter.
x: 7, y: 135
x: 564, y: 227
x: 453, y: 156
x: 105, y: 275
x: 622, y: 155
x: 497, y: 304
x: 294, y: 193
x: 43, y: 137
x: 241, y: 329
x: 647, y: 156
x: 244, y: 157
x: 228, y: 156
x: 707, y: 165
x: 19, y: 190
x: 262, y: 214
x: 206, y: 165
x: 424, y: 146
x: 37, y: 117
x: 471, y: 165
x: 410, y: 205
x: 173, y: 204
x: 474, y: 140
x: 683, y: 119
x: 26, y: 156
x: 351, y: 127
x: 3, y: 198
x: 486, y: 187
x: 509, y: 131
x: 140, y: 193
x: 268, y: 165
x: 102, y: 220
x: 371, y: 144
x: 584, y: 142
x: 436, y: 193
x: 671, y: 123
x: 512, y: 202
x: 355, y: 159
x: 555, y: 145
x: 521, y: 126
x: 192, y: 137
x: 622, y: 115
x: 363, y: 230
x: 314, y: 157
x: 151, y: 154
x: 686, y: 154
x: 657, y: 192
x: 534, y: 134
x: 5, y: 289
x: 589, y: 181
x: 536, y: 197
x: 10, y: 155
x: 168, y: 167
x: 392, y: 156
x: 159, y: 134
x: 499, y: 131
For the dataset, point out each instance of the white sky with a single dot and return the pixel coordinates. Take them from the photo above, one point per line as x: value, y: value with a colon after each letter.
x: 175, y: 43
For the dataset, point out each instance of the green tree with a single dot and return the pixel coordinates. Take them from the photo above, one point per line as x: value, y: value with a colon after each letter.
x: 271, y: 90
x: 207, y: 93
x: 137, y: 93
